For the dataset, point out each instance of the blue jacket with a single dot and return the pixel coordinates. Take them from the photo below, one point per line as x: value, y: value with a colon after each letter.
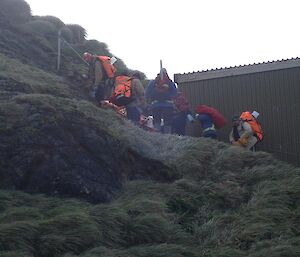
x: 207, y: 125
x: 159, y: 99
x: 206, y: 120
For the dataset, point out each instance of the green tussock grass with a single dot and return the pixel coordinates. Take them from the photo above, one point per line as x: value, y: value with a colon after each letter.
x: 183, y: 218
x: 222, y: 201
x: 37, y: 80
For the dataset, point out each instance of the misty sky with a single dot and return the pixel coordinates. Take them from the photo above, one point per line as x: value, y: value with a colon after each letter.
x: 190, y: 35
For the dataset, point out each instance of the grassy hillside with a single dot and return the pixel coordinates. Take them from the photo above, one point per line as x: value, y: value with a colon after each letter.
x: 222, y: 201
x: 247, y: 212
x: 33, y: 40
x: 35, y: 80
x: 148, y: 194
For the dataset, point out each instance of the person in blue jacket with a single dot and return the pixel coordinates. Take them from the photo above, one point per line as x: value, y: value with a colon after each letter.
x: 160, y: 93
x: 207, y: 125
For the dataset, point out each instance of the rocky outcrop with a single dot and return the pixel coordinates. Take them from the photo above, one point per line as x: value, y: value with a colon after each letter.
x: 47, y: 145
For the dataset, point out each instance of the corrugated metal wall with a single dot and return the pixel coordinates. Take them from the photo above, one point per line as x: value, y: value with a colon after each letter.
x: 274, y: 94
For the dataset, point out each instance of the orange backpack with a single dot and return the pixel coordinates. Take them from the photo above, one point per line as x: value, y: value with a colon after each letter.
x: 256, y: 127
x: 110, y: 70
x: 122, y: 92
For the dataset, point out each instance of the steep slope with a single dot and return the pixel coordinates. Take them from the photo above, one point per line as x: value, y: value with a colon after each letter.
x: 54, y: 143
x: 169, y: 195
x: 249, y: 211
x: 110, y: 189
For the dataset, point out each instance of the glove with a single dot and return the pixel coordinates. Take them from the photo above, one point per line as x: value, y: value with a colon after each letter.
x: 237, y: 143
x: 108, y: 105
x: 243, y: 141
x: 190, y: 118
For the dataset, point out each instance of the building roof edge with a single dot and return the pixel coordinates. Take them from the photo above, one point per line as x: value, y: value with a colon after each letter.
x: 237, y: 70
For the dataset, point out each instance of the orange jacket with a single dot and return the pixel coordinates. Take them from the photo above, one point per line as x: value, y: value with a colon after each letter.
x: 256, y: 127
x: 122, y: 94
x: 110, y: 70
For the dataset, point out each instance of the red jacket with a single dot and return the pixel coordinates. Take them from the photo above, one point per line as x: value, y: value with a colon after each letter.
x: 181, y: 103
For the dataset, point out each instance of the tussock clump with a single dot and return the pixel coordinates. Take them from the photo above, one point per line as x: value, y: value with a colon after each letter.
x: 39, y: 81
x: 211, y: 199
x: 221, y: 201
x: 160, y: 195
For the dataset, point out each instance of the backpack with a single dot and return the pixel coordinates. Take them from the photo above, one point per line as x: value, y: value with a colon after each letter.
x: 109, y: 69
x: 255, y: 125
x: 122, y: 94
x: 218, y: 119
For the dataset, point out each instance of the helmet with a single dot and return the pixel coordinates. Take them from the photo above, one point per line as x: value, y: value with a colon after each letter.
x: 87, y: 56
x: 255, y: 114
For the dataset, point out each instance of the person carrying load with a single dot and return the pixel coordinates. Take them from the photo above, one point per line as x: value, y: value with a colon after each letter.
x: 246, y: 130
x: 101, y: 71
x: 210, y: 119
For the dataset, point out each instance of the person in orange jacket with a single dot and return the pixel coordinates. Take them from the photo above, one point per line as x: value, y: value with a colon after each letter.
x: 246, y: 131
x: 100, y: 71
x: 137, y: 106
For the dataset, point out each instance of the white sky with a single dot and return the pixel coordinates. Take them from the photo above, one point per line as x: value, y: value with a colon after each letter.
x: 188, y: 35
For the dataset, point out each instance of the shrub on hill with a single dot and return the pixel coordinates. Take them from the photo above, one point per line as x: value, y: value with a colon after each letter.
x: 15, y: 11
x: 41, y: 28
x: 67, y: 34
x: 52, y: 19
x: 34, y: 78
x: 79, y: 33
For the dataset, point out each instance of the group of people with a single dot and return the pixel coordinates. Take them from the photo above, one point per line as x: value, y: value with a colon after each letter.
x: 160, y: 106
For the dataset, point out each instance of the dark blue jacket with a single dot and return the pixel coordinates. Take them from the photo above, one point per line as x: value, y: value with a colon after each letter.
x: 206, y: 121
x: 208, y: 127
x: 160, y: 99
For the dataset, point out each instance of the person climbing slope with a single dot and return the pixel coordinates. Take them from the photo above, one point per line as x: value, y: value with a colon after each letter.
x: 246, y: 131
x: 182, y: 114
x: 211, y: 120
x: 160, y: 93
x: 101, y: 70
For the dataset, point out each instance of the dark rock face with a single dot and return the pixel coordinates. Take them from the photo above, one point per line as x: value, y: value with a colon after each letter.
x: 71, y: 159
x: 58, y: 159
x: 48, y: 146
